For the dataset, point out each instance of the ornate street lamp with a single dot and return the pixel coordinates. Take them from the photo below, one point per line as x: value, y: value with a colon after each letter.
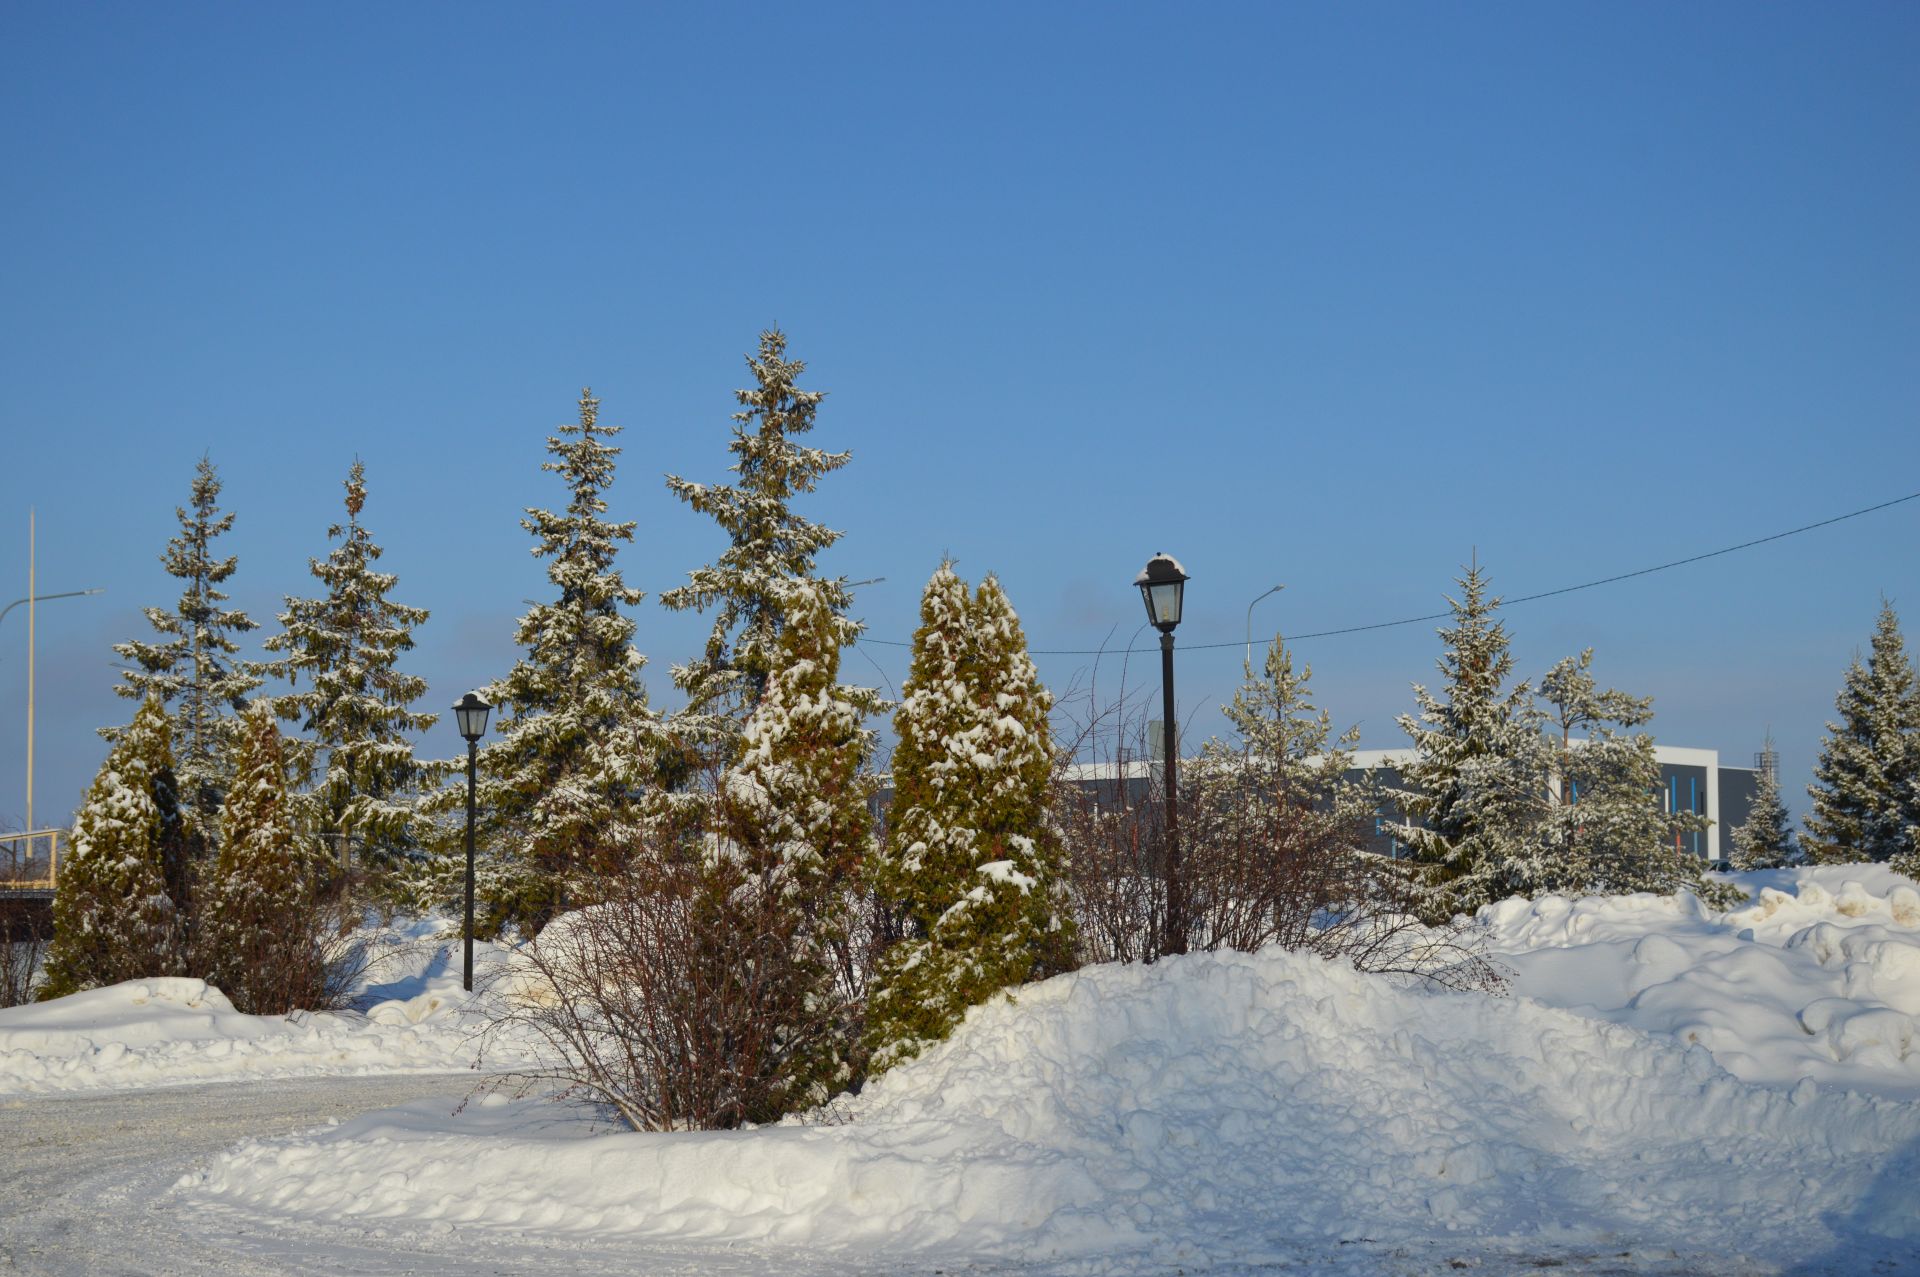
x: 1163, y: 588
x: 471, y: 715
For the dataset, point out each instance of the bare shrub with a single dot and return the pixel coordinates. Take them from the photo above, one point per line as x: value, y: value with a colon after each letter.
x: 318, y: 951
x: 26, y: 924
x: 1271, y: 837
x: 677, y: 999
x: 1257, y: 869
x: 25, y: 929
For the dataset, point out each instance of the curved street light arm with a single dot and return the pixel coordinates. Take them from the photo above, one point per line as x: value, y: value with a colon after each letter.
x: 42, y: 598
x: 1275, y: 590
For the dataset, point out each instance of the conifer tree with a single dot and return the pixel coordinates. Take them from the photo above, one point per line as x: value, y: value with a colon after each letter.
x: 346, y: 644
x: 972, y: 862
x: 1472, y: 787
x: 1603, y: 828
x: 794, y: 810
x: 259, y: 950
x: 114, y: 917
x: 192, y: 663
x: 1908, y: 861
x: 1268, y: 817
x: 768, y: 547
x: 1865, y: 798
x: 1765, y: 840
x: 563, y: 781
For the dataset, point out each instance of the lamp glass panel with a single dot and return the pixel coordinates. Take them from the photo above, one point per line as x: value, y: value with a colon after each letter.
x: 473, y: 722
x: 1164, y: 602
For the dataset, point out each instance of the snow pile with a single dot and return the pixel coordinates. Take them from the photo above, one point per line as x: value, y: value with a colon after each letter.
x: 1218, y: 1108
x: 1818, y: 978
x: 167, y: 1031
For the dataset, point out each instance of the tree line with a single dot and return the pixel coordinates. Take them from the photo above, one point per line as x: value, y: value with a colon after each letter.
x: 722, y: 922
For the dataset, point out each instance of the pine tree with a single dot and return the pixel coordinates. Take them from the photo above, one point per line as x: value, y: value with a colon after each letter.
x: 1765, y: 840
x: 1472, y: 788
x: 794, y: 811
x: 193, y: 663
x: 1866, y: 790
x: 259, y: 950
x: 972, y: 862
x: 1603, y: 827
x: 355, y: 705
x: 563, y: 783
x: 768, y: 547
x: 114, y: 917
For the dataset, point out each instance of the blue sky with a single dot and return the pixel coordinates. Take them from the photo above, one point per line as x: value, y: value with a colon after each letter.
x: 1335, y: 296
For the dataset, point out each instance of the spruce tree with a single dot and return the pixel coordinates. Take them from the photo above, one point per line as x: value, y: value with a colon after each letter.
x: 563, y: 782
x: 1866, y: 790
x: 192, y: 663
x: 1908, y: 861
x: 1765, y: 840
x: 972, y: 863
x: 1603, y: 827
x: 260, y: 951
x: 1472, y: 788
x: 1269, y: 820
x: 794, y: 810
x: 768, y: 546
x: 114, y: 917
x: 346, y: 644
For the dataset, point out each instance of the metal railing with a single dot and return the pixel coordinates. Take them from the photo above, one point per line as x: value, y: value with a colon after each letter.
x: 30, y: 861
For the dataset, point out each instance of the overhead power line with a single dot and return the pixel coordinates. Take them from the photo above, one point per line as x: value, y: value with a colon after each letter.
x: 1441, y: 616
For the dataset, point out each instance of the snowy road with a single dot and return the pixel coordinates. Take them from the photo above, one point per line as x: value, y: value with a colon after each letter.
x: 85, y: 1180
x: 86, y: 1177
x: 85, y: 1191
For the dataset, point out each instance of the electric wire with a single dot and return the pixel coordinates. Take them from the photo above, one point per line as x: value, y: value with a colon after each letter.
x: 1441, y: 616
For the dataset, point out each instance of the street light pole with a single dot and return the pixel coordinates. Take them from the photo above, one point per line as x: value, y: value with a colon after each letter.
x: 471, y: 716
x: 1275, y: 590
x: 473, y: 762
x: 33, y: 599
x: 33, y: 613
x: 1163, y: 586
x: 1176, y: 899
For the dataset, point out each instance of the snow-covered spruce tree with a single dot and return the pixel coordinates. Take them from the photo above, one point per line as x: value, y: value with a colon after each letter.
x: 1268, y: 817
x: 1866, y: 790
x: 768, y: 546
x: 114, y: 918
x: 192, y: 662
x: 972, y: 863
x: 793, y: 813
x: 345, y: 644
x: 1603, y: 827
x: 1765, y: 841
x: 258, y: 942
x: 1471, y: 790
x: 1908, y: 861
x: 563, y: 783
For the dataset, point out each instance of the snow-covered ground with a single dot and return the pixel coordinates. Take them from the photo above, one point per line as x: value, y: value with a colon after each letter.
x: 412, y: 1016
x: 1818, y: 978
x: 1670, y: 1090
x: 1231, y: 1111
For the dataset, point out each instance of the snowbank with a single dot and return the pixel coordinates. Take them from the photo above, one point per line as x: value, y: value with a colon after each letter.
x: 169, y: 1031
x: 1819, y: 977
x: 1209, y: 1109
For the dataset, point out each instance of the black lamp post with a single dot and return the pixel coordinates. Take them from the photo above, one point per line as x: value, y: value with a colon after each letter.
x: 1162, y: 586
x: 471, y: 714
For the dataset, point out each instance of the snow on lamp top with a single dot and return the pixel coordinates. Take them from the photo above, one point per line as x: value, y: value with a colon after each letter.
x: 1162, y: 583
x: 471, y: 714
